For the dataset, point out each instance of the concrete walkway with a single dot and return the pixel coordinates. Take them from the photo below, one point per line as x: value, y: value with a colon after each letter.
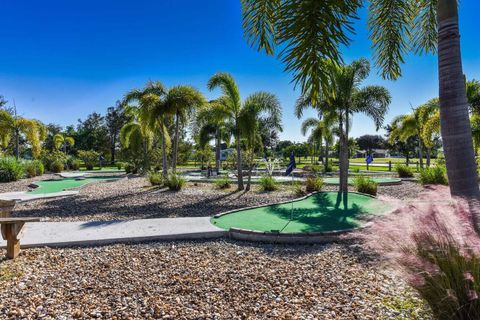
x: 62, y: 234
x: 27, y: 196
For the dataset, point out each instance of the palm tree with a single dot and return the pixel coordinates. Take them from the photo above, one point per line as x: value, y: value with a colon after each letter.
x: 212, y: 120
x: 179, y: 102
x: 144, y: 118
x: 233, y: 104
x: 422, y: 123
x: 311, y: 33
x: 59, y: 141
x: 321, y: 130
x: 260, y: 107
x: 13, y: 127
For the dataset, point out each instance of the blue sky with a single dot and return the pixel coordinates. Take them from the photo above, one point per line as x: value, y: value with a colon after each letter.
x: 61, y: 60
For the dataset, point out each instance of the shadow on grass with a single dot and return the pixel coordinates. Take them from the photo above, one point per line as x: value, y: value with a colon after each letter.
x: 323, y: 216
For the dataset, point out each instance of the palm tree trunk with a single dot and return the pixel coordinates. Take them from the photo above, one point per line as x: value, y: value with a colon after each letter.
x: 217, y: 150
x: 164, y: 154
x: 145, y: 154
x: 454, y: 119
x: 239, y: 160
x: 175, y: 143
x: 420, y: 152
x: 428, y: 154
x: 17, y: 144
x: 320, y: 152
x: 343, y: 155
x: 325, y: 164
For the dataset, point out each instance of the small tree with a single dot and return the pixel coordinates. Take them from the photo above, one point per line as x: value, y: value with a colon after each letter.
x: 89, y: 157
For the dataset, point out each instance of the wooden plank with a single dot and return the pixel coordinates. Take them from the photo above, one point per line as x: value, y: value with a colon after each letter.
x: 17, y: 220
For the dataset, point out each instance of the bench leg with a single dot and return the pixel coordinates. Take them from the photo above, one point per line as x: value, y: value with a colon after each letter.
x: 10, y: 232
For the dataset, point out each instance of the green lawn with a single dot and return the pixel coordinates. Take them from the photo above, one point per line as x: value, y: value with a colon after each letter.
x: 316, y: 213
x: 51, y: 186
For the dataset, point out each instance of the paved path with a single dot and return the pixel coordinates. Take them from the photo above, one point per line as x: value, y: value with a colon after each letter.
x: 61, y: 234
x: 27, y: 196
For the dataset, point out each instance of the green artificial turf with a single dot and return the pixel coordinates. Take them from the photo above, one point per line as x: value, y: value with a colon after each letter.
x: 50, y: 186
x: 316, y: 213
x: 350, y: 180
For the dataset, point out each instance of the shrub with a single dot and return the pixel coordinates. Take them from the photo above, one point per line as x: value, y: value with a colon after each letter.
x: 56, y: 166
x: 446, y: 275
x: 433, y: 175
x: 268, y: 183
x: 33, y: 168
x: 10, y: 169
x: 76, y: 164
x: 89, y: 157
x: 223, y: 182
x: 155, y: 178
x: 49, y: 157
x: 120, y: 165
x: 298, y: 189
x: 131, y: 168
x: 356, y: 170
x: 313, y: 183
x: 365, y: 185
x: 404, y: 171
x: 328, y: 168
x: 175, y: 182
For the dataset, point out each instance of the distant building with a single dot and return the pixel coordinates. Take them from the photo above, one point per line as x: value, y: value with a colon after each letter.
x: 377, y: 153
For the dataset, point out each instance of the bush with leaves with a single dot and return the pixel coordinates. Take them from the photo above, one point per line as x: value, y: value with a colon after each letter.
x: 155, y: 178
x: 404, y: 171
x: 119, y: 165
x: 175, y: 182
x: 89, y: 157
x: 223, y: 182
x: 365, y: 185
x: 33, y: 168
x: 51, y: 156
x: 131, y: 168
x: 313, y: 183
x: 434, y: 175
x: 268, y: 183
x: 57, y: 166
x: 10, y: 169
x: 76, y: 164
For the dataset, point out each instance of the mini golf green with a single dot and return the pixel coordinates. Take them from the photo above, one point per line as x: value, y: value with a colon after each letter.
x: 316, y: 213
x: 51, y: 186
x: 380, y: 181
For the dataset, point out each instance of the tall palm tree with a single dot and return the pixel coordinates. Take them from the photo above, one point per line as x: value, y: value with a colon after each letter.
x: 179, y: 102
x: 233, y: 104
x: 61, y: 141
x: 212, y: 120
x: 144, y: 117
x: 422, y: 123
x: 13, y: 127
x: 311, y: 33
x: 260, y: 107
x: 321, y: 130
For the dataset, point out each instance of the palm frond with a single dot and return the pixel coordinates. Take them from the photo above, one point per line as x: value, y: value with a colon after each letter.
x: 308, y: 124
x: 390, y: 22
x: 424, y: 36
x: 373, y: 101
x: 229, y: 88
x: 259, y: 20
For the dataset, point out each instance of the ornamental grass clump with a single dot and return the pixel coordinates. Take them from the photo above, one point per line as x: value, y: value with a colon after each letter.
x: 365, y: 185
x: 434, y: 175
x: 175, y: 182
x: 404, y: 171
x: 268, y: 183
x: 313, y: 183
x: 222, y: 182
x: 10, y: 169
x: 155, y: 178
x: 33, y: 168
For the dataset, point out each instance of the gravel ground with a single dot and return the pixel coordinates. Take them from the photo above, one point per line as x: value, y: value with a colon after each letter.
x: 204, y: 280
x: 132, y: 198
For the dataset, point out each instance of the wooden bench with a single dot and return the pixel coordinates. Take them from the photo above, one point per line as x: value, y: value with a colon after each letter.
x: 12, y: 232
x: 6, y: 207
